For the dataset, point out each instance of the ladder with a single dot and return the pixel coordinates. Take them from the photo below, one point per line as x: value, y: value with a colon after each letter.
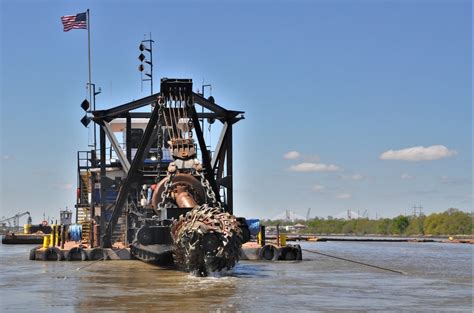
x: 83, y: 218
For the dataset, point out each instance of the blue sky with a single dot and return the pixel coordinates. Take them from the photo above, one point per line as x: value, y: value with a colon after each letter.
x: 337, y: 83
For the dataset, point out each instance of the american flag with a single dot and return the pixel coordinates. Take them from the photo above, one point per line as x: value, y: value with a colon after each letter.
x: 78, y: 21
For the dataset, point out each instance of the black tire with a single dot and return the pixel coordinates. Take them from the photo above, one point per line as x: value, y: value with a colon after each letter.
x: 299, y: 254
x: 53, y: 254
x: 144, y: 236
x: 268, y: 253
x: 76, y: 254
x: 288, y: 253
x: 33, y: 254
x: 97, y: 254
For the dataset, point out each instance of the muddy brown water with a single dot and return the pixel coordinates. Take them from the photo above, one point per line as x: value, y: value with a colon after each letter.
x: 439, y: 279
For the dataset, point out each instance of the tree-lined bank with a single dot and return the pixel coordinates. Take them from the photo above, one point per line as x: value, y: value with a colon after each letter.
x: 450, y: 222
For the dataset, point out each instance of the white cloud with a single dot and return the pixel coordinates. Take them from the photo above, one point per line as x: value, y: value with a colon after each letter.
x: 314, y: 167
x: 418, y: 153
x: 7, y: 156
x: 292, y: 155
x: 318, y: 188
x: 406, y: 176
x: 344, y: 196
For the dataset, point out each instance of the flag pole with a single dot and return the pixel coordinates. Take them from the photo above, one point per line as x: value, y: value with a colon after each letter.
x: 91, y: 91
x: 89, y: 44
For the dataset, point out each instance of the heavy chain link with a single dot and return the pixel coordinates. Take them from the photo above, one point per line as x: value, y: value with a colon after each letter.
x: 207, y: 187
x: 165, y: 193
x: 159, y: 155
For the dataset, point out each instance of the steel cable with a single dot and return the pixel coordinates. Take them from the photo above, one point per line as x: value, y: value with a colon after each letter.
x: 357, y: 262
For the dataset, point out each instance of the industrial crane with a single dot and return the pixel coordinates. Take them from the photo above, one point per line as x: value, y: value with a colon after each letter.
x: 15, y: 220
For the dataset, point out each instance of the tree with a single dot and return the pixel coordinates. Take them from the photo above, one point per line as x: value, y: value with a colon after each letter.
x: 400, y: 223
x: 384, y: 226
x: 435, y: 224
x: 416, y: 226
x: 457, y: 222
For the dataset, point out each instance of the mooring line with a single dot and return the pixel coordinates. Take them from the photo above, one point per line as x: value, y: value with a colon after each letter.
x: 357, y: 262
x: 92, y: 263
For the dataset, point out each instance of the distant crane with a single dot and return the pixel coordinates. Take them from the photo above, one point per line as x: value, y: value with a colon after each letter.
x: 365, y: 214
x: 15, y: 220
x: 307, y: 213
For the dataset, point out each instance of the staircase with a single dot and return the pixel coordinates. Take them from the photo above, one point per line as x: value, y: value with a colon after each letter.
x: 120, y: 228
x: 83, y: 218
x: 85, y: 188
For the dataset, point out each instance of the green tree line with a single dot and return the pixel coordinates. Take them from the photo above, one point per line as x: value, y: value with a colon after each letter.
x: 450, y: 222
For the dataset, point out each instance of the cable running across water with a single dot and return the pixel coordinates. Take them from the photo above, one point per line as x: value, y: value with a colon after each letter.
x: 357, y: 262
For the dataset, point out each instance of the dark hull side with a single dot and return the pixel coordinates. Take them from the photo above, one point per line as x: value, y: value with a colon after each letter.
x: 158, y: 254
x: 21, y: 239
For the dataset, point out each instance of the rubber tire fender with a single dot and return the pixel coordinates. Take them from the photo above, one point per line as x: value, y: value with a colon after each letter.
x: 269, y: 253
x: 299, y: 254
x: 48, y: 254
x: 33, y: 254
x: 288, y: 253
x: 71, y: 253
x: 97, y: 254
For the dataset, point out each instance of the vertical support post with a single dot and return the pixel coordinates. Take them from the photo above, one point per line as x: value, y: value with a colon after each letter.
x: 92, y: 185
x: 63, y: 235
x: 128, y: 137
x: 151, y: 64
x: 93, y: 109
x: 261, y: 235
x: 206, y: 159
x: 89, y: 49
x: 229, y: 172
x: 92, y: 210
x: 91, y: 92
x: 130, y: 178
x: 103, y: 203
x: 278, y: 235
x: 79, y: 184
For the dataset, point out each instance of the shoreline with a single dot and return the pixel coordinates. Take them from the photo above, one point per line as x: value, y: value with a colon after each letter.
x: 374, y: 238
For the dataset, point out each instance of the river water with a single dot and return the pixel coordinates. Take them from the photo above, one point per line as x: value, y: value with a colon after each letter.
x: 439, y: 279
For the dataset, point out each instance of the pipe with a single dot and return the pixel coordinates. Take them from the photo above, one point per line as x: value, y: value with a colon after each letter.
x: 183, y: 198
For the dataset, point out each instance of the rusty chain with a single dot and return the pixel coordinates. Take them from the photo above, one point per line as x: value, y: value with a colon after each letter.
x: 207, y: 187
x: 170, y: 174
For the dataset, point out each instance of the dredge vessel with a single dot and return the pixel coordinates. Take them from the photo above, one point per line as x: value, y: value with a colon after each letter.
x: 161, y: 192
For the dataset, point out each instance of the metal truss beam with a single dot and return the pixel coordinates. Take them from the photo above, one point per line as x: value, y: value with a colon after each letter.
x: 118, y: 150
x: 219, y: 148
x: 137, y: 162
x: 124, y: 108
x: 206, y: 159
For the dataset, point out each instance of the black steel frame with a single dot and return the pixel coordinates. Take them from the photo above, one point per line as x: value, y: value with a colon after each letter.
x: 214, y: 168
